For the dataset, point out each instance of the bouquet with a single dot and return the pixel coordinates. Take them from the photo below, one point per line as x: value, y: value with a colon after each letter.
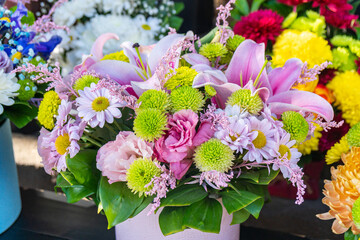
x: 147, y: 21
x: 178, y: 125
x: 21, y: 43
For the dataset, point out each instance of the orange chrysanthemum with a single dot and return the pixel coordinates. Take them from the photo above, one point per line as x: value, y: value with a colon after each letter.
x: 341, y: 193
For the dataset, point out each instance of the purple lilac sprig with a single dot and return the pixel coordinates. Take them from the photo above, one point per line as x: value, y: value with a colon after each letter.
x: 222, y: 23
x: 161, y: 186
x: 215, y: 117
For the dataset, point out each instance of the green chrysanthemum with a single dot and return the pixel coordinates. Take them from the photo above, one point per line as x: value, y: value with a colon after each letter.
x: 355, y: 212
x: 48, y: 109
x: 210, y: 90
x: 140, y: 174
x: 118, y: 56
x: 27, y: 89
x: 213, y: 155
x: 355, y: 48
x: 233, y: 42
x: 184, y: 76
x: 341, y: 41
x: 353, y: 136
x: 150, y: 124
x: 85, y: 81
x: 186, y: 98
x: 213, y: 50
x: 296, y: 125
x: 289, y: 19
x: 154, y: 99
x: 343, y: 59
x: 246, y: 100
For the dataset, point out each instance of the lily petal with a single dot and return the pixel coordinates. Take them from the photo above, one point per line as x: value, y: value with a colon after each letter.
x: 223, y: 92
x: 97, y: 48
x: 131, y: 53
x: 195, y: 58
x: 283, y: 78
x: 161, y: 48
x: 246, y: 64
x: 141, y: 86
x: 207, y: 75
x: 295, y: 100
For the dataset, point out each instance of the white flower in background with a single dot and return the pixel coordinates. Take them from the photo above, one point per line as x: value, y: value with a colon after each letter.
x: 116, y: 6
x: 8, y: 89
x: 68, y: 13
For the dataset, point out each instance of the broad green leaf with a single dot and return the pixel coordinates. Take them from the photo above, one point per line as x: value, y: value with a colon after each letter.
x: 350, y: 236
x: 69, y: 177
x: 171, y: 220
x: 184, y: 195
x: 252, y: 175
x: 61, y: 182
x: 240, y: 216
x: 118, y: 201
x: 146, y: 201
x: 242, y: 6
x: 204, y: 215
x: 83, y: 167
x: 234, y: 201
x: 266, y: 177
x: 21, y: 113
x: 179, y: 6
x: 255, y: 207
x: 208, y: 37
x: 256, y: 5
x: 175, y: 22
x: 77, y: 192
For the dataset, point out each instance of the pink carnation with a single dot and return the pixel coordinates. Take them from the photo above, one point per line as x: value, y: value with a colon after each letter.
x: 176, y: 146
x: 115, y: 157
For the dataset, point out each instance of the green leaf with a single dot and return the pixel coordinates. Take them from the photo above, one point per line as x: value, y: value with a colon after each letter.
x: 118, y: 202
x: 252, y: 175
x: 242, y: 6
x: 256, y: 5
x: 204, y: 215
x: 350, y: 236
x: 83, y: 167
x: 73, y: 190
x: 21, y: 113
x: 234, y: 201
x: 240, y: 216
x: 175, y: 22
x: 171, y: 220
x: 143, y: 205
x: 179, y: 6
x: 208, y: 37
x: 184, y: 195
x: 29, y: 19
x: 255, y: 207
x: 265, y: 177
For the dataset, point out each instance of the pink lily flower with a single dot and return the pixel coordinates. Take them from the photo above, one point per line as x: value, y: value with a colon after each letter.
x: 130, y: 73
x: 274, y: 86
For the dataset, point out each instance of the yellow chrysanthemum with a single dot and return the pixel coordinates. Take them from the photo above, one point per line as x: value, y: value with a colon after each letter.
x: 335, y: 152
x: 342, y: 192
x: 305, y: 45
x: 346, y: 90
x: 118, y: 56
x: 48, y: 109
x: 310, y: 145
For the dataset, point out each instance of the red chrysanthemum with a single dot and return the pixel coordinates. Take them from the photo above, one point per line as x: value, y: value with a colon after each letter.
x: 357, y: 61
x: 329, y: 138
x: 326, y: 76
x: 293, y: 2
x: 340, y: 19
x: 260, y: 26
x: 333, y: 5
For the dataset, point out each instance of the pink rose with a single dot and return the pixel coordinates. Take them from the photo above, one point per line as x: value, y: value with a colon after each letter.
x: 115, y: 157
x: 177, y: 145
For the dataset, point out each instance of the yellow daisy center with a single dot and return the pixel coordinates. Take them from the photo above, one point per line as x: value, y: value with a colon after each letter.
x: 62, y: 142
x: 100, y: 104
x: 16, y: 55
x: 283, y: 149
x: 5, y: 19
x: 233, y: 137
x: 260, y: 140
x: 146, y: 27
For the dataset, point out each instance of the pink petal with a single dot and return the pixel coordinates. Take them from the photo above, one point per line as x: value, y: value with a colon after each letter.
x: 195, y: 58
x: 180, y: 168
x: 246, y: 64
x: 223, y: 92
x: 204, y: 133
x: 97, y: 48
x: 140, y: 86
x: 282, y: 79
x: 295, y: 100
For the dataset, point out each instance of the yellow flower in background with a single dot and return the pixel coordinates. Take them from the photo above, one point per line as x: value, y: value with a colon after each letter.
x: 346, y: 90
x: 310, y: 145
x: 305, y: 45
x: 48, y: 109
x: 342, y: 192
x: 335, y: 152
